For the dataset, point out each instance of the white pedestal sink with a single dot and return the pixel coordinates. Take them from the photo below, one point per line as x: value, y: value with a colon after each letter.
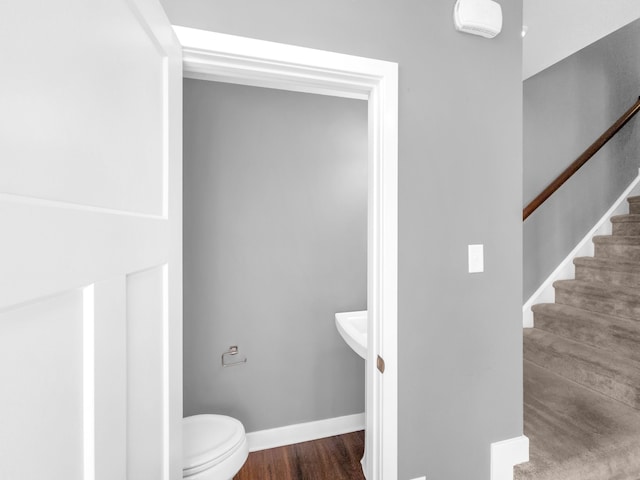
x: 352, y: 327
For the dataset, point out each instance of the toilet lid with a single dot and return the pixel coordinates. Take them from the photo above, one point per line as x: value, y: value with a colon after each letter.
x: 206, y: 438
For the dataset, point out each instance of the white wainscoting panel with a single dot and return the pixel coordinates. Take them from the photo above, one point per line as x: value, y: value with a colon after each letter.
x: 41, y: 373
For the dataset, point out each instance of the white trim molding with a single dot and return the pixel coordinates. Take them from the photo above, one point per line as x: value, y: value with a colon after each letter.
x: 506, y: 454
x: 566, y: 270
x: 304, y: 432
x: 231, y: 59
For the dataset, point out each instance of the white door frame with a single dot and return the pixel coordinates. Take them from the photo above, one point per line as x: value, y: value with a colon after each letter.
x: 232, y: 59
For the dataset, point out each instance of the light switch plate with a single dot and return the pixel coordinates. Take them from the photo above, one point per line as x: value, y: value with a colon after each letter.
x: 476, y: 258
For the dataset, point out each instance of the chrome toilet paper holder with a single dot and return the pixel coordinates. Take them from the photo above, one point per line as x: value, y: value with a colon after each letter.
x: 230, y: 358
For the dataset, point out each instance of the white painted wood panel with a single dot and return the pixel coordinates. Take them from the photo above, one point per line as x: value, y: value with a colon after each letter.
x: 82, y: 72
x: 146, y: 330
x: 90, y: 195
x: 68, y: 246
x: 110, y: 326
x: 41, y: 373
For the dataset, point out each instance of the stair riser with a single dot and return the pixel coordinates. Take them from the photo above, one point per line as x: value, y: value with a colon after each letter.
x: 581, y: 372
x: 626, y: 228
x: 622, y: 337
x: 610, y: 277
x: 630, y: 252
x: 634, y: 207
x: 624, y: 308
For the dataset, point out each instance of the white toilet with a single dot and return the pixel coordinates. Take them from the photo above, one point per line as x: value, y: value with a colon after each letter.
x: 214, y: 447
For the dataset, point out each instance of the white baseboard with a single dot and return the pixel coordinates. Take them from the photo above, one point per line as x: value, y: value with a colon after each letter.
x: 304, y: 432
x: 506, y: 454
x: 566, y: 270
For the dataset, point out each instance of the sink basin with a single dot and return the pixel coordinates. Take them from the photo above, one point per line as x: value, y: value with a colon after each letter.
x: 353, y: 329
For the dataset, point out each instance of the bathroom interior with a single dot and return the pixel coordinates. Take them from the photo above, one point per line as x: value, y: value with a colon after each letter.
x: 275, y: 244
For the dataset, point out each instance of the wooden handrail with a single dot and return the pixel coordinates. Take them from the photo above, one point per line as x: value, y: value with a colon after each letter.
x: 581, y: 160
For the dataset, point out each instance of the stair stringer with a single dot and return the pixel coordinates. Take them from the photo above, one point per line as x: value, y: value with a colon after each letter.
x: 566, y: 270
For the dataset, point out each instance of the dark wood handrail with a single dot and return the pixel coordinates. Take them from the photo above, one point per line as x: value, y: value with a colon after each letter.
x: 581, y: 160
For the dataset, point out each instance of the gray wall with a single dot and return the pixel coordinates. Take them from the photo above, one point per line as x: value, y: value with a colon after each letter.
x: 275, y: 243
x: 567, y: 107
x: 460, y: 182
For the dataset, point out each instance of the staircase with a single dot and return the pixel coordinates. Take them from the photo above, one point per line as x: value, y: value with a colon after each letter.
x: 582, y: 366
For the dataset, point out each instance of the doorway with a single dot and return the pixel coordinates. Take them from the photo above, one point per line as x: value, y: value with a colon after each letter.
x: 275, y: 243
x: 230, y: 59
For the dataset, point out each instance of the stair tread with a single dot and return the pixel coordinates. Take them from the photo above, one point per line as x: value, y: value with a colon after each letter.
x: 576, y: 433
x: 612, y: 364
x: 616, y: 258
x: 617, y: 239
x: 634, y: 199
x: 577, y: 314
x: 598, y: 289
x: 610, y: 263
x: 605, y: 332
x: 627, y: 217
x: 597, y: 296
x: 608, y: 373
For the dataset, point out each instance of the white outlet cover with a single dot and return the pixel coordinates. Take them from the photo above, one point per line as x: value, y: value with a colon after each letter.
x: 476, y: 258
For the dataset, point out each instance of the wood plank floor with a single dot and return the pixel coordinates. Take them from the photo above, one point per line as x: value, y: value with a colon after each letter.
x: 332, y: 458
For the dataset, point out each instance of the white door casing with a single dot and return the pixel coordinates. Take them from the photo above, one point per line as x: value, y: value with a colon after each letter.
x: 232, y: 59
x: 90, y: 242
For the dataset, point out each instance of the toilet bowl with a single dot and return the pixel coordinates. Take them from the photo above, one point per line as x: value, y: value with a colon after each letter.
x: 214, y: 447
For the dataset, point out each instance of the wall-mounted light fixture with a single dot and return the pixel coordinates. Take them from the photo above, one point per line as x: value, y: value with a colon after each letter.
x: 478, y: 17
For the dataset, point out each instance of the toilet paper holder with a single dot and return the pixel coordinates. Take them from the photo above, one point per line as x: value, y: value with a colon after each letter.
x: 230, y: 358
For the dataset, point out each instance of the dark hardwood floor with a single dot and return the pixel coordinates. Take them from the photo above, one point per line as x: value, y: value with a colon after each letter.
x: 332, y: 458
